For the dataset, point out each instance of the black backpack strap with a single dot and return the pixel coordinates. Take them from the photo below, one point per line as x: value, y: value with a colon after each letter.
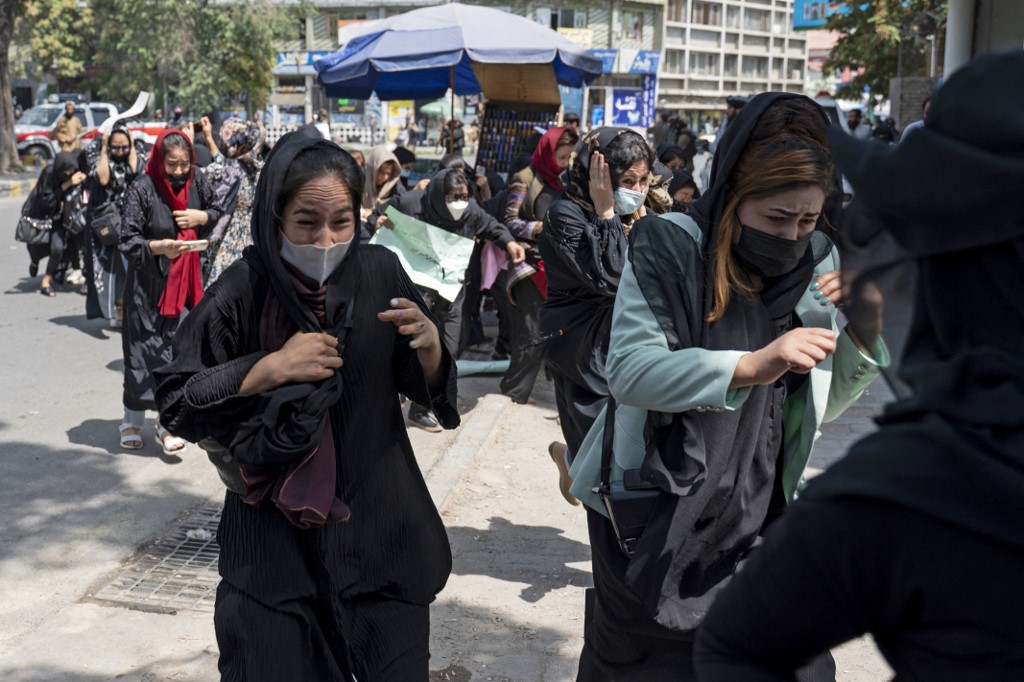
x: 606, y: 443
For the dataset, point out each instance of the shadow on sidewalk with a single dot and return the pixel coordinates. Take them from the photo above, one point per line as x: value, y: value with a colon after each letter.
x: 535, y: 555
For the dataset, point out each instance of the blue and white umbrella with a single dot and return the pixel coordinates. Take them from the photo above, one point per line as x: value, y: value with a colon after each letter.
x: 422, y: 53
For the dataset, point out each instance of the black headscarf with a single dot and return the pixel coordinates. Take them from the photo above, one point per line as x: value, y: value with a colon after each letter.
x: 64, y: 162
x: 434, y: 209
x: 954, y: 449
x: 266, y: 229
x: 718, y: 468
x: 576, y: 177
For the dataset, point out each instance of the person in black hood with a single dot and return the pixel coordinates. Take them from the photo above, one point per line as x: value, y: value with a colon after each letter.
x: 47, y: 201
x: 583, y: 246
x: 447, y: 203
x: 331, y: 548
x: 914, y: 537
x: 725, y: 357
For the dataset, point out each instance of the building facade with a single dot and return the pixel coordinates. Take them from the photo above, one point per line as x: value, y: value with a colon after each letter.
x: 715, y: 49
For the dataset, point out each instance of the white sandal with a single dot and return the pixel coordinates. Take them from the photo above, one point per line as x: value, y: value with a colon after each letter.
x: 171, y: 446
x: 130, y: 441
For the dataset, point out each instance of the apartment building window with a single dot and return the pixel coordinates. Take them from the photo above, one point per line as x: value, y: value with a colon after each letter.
x: 730, y: 67
x: 757, y: 20
x: 673, y: 61
x: 674, y: 10
x: 703, y: 64
x: 633, y: 25
x: 755, y: 67
x: 732, y: 17
x: 707, y: 13
x: 562, y: 18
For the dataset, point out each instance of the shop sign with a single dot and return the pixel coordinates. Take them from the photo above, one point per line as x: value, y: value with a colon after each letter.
x: 648, y: 100
x: 608, y: 59
x: 597, y: 115
x: 627, y: 107
x: 299, y: 58
x: 350, y: 106
x: 815, y: 13
x: 646, y: 61
x: 584, y: 37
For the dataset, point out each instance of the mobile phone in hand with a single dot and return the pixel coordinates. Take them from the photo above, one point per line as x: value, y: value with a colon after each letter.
x: 196, y: 244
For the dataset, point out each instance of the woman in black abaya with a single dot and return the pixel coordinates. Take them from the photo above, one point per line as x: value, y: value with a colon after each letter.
x: 331, y: 548
x: 915, y: 537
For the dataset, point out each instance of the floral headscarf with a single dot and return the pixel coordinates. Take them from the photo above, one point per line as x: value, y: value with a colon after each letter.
x: 241, y: 140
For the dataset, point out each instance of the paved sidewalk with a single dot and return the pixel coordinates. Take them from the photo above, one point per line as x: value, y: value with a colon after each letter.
x: 17, y: 185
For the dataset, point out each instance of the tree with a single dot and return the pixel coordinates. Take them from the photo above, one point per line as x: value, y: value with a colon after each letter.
x: 8, y: 147
x: 59, y: 35
x: 873, y: 34
x: 202, y: 50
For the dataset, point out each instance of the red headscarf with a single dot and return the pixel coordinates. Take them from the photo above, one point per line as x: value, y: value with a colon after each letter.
x: 184, y: 283
x: 543, y: 161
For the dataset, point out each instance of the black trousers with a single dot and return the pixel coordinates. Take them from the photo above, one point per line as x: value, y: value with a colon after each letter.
x: 621, y: 643
x: 369, y: 639
x: 527, y: 357
x: 55, y: 249
x: 450, y: 315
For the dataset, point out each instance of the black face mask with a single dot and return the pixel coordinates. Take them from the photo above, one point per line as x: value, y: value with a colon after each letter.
x: 767, y: 255
x: 680, y: 207
x: 178, y: 181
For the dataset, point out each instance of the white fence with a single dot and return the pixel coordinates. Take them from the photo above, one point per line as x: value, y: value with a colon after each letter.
x: 342, y: 134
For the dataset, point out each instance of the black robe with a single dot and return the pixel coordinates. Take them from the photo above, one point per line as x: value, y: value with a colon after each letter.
x: 583, y: 258
x: 147, y: 335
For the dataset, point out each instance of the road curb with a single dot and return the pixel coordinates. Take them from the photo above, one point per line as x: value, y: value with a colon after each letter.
x: 474, y: 433
x: 15, y: 188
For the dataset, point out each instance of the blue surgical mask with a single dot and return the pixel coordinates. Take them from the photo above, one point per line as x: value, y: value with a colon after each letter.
x: 628, y: 201
x: 406, y: 172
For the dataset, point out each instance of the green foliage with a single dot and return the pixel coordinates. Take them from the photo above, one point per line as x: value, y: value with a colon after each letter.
x: 59, y: 35
x: 199, y: 50
x: 872, y: 35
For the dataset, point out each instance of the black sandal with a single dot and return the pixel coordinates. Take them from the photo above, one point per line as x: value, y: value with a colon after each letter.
x: 47, y: 291
x: 33, y: 269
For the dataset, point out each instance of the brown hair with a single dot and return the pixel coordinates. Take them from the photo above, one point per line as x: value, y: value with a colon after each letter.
x: 787, y: 149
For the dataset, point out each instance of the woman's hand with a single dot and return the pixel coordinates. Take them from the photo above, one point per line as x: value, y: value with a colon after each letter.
x: 425, y: 338
x: 384, y: 221
x: 78, y: 178
x: 190, y: 218
x: 798, y: 350
x: 304, y: 358
x: 422, y: 184
x: 516, y: 252
x: 828, y: 288
x: 602, y: 194
x: 172, y: 248
x: 483, y: 187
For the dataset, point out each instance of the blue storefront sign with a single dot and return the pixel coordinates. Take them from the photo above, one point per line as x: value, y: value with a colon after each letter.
x: 608, y: 59
x: 597, y: 116
x: 648, y: 100
x: 815, y: 13
x: 646, y: 61
x: 627, y: 107
x: 572, y: 99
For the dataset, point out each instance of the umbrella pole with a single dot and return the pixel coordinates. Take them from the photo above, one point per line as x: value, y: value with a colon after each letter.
x: 451, y: 121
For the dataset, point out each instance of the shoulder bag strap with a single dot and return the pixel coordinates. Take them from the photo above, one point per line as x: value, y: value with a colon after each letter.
x: 606, y: 443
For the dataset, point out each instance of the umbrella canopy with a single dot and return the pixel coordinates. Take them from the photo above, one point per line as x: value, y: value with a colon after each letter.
x: 420, y: 54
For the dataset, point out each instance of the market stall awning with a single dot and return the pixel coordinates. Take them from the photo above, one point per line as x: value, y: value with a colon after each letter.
x: 422, y: 53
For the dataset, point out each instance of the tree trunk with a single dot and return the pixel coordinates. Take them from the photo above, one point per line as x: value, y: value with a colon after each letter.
x: 8, y: 144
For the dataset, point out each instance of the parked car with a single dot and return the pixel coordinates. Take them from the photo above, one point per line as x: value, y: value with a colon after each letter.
x: 34, y: 127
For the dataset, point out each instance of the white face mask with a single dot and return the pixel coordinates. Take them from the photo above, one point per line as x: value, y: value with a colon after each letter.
x: 457, y: 208
x: 315, y: 262
x: 628, y: 201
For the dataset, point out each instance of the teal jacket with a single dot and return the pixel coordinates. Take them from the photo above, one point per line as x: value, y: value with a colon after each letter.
x: 643, y: 374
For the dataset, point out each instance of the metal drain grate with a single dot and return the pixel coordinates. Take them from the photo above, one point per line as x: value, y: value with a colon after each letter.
x: 178, y: 573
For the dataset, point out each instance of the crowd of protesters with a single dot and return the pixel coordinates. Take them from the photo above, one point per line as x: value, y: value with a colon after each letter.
x: 698, y: 330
